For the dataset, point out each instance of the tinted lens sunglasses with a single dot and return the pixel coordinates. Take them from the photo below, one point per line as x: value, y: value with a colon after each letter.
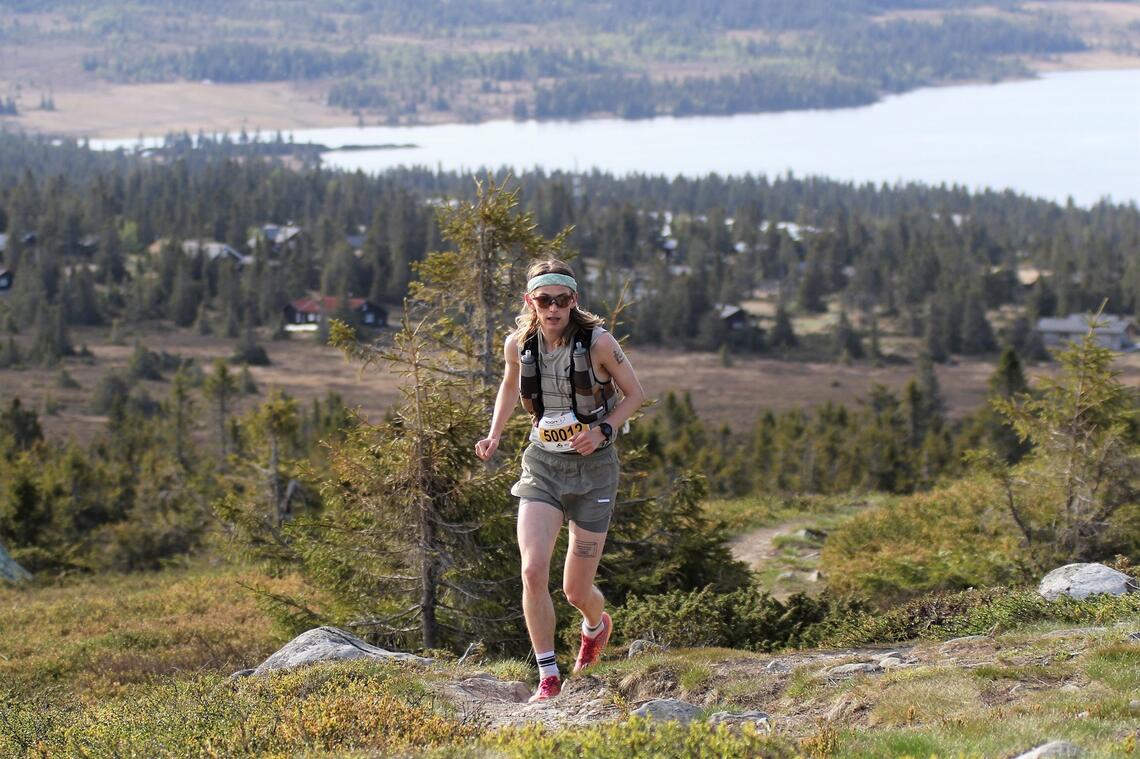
x: 562, y: 301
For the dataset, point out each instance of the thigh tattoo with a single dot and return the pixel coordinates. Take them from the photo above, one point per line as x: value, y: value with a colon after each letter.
x: 586, y: 550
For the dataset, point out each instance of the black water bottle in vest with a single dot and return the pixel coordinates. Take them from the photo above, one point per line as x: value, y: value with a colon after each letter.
x: 529, y: 386
x: 583, y: 387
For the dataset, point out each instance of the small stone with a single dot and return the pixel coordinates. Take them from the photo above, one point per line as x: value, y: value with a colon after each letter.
x: 890, y: 661
x: 242, y: 673
x: 667, y: 710
x: 759, y: 719
x: 814, y: 576
x: 1053, y: 750
x: 965, y: 640
x: 850, y: 669
x: 1134, y: 636
x: 809, y: 533
x: 786, y: 576
x: 1070, y: 688
x: 774, y: 666
x: 888, y: 655
x: 639, y: 647
x: 1134, y: 705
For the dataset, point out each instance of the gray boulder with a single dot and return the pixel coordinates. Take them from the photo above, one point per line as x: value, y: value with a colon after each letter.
x: 668, y: 710
x: 759, y: 719
x: 1084, y: 580
x: 10, y: 570
x: 328, y: 644
x: 1053, y: 750
x: 639, y: 647
x: 486, y: 687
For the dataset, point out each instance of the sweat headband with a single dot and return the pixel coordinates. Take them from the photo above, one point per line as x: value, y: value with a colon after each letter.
x: 551, y: 279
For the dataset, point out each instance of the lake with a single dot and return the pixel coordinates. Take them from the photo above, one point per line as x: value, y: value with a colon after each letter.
x: 1066, y: 134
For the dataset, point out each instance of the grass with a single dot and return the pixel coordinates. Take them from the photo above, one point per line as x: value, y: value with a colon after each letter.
x: 139, y: 665
x: 815, y: 511
x: 96, y: 637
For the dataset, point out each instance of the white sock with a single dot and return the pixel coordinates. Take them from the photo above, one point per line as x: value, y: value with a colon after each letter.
x: 547, y: 665
x: 591, y: 632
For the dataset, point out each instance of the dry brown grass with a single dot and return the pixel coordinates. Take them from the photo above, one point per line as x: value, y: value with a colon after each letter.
x: 735, y: 395
x: 96, y: 636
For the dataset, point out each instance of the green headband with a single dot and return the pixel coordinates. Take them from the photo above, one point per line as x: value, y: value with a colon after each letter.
x: 552, y: 279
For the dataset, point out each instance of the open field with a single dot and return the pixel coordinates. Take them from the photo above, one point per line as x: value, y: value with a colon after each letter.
x: 735, y: 395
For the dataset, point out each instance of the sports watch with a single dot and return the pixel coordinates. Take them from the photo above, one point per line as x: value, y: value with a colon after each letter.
x: 607, y: 431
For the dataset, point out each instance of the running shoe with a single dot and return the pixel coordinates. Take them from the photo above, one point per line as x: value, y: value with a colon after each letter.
x: 549, y: 687
x: 591, y: 649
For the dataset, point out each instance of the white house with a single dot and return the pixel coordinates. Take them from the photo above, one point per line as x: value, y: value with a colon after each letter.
x: 1116, y: 333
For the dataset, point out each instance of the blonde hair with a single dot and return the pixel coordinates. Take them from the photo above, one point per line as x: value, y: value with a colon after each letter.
x: 526, y: 323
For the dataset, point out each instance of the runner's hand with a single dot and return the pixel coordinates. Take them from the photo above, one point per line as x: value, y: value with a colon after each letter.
x: 486, y: 447
x: 587, y: 441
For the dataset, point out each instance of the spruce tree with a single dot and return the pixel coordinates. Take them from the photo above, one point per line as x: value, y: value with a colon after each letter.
x: 783, y: 335
x: 845, y: 341
x: 1074, y: 495
x: 220, y: 387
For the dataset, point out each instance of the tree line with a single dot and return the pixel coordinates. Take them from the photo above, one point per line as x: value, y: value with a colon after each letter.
x: 801, y: 55
x: 937, y: 260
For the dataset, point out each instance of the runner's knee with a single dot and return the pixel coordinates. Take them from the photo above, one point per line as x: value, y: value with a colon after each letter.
x: 535, y: 573
x: 577, y: 593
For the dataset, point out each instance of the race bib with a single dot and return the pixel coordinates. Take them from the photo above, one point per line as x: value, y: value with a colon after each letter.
x: 554, y: 431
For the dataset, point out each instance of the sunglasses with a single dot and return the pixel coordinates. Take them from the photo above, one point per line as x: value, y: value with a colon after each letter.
x: 543, y: 300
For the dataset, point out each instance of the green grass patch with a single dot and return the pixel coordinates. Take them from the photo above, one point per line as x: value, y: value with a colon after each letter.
x: 755, y: 511
x: 1117, y: 666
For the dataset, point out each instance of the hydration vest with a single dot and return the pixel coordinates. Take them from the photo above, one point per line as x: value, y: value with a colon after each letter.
x: 590, y: 398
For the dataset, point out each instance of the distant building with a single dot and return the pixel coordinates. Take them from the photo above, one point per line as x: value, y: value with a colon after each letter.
x: 734, y: 317
x: 214, y: 250
x: 1116, y: 333
x: 6, y: 278
x: 306, y: 314
x: 279, y: 237
x: 88, y: 245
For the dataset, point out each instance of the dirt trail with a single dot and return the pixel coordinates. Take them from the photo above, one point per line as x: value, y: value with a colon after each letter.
x: 758, y: 546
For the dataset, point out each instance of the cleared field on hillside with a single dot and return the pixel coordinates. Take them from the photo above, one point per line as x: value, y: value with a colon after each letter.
x: 734, y: 395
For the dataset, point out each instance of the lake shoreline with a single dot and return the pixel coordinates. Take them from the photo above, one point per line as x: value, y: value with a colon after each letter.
x: 123, y: 112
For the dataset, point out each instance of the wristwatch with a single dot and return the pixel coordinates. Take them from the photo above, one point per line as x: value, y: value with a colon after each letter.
x: 607, y: 431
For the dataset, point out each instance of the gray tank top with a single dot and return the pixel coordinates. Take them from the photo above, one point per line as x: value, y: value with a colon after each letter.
x: 554, y: 371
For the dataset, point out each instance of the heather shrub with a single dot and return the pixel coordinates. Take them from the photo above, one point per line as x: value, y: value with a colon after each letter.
x: 746, y: 618
x: 635, y: 739
x: 940, y: 616
x: 956, y: 537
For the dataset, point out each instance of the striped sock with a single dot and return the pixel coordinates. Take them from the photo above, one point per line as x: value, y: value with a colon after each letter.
x: 591, y: 632
x: 547, y: 665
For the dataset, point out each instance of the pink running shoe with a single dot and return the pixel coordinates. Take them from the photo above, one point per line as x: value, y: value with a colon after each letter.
x: 549, y: 687
x: 591, y: 649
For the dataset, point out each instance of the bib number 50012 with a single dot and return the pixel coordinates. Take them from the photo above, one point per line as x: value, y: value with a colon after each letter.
x: 561, y: 434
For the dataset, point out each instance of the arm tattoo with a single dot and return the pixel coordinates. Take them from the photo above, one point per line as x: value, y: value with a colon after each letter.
x: 586, y: 550
x: 619, y: 356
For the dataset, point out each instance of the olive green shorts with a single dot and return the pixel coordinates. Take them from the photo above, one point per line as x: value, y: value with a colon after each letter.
x: 584, y: 488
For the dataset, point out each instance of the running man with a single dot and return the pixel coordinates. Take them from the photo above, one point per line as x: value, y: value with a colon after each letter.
x: 565, y: 367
